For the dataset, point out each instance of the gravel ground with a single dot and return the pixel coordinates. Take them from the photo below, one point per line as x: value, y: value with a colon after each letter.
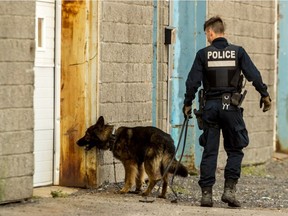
x: 261, y: 186
x: 262, y: 189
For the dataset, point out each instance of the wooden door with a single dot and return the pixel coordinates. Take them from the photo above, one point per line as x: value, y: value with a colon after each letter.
x: 77, y: 167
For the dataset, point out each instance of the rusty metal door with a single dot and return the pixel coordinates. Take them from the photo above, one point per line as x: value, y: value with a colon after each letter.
x: 77, y: 168
x: 282, y: 91
x: 188, y: 18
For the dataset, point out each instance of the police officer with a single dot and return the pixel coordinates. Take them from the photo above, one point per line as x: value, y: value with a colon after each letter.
x: 218, y: 67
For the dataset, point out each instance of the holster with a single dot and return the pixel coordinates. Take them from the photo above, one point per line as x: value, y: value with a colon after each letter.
x: 237, y: 98
x: 199, y: 117
x: 199, y: 113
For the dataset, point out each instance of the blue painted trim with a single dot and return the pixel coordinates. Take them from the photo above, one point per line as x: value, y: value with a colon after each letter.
x: 282, y: 96
x: 154, y: 66
x: 200, y: 15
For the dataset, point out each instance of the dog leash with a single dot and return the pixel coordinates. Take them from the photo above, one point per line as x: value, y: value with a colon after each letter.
x: 184, y: 126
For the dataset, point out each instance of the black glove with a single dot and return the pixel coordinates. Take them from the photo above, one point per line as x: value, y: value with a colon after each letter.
x: 187, y: 110
x: 267, y: 103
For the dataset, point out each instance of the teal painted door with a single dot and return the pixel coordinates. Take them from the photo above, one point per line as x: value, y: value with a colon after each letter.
x: 282, y: 90
x: 188, y: 18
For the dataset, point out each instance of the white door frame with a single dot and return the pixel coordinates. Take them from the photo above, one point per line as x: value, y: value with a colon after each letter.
x: 58, y: 8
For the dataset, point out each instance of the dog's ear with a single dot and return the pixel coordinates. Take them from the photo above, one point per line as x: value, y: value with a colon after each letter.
x: 100, y: 122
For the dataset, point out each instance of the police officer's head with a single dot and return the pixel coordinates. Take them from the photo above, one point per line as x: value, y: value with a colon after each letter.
x: 214, y: 27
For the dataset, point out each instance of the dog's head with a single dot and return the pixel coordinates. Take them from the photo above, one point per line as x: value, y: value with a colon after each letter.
x: 97, y: 135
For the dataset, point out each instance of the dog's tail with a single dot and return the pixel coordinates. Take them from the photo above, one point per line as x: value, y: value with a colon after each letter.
x: 181, y: 169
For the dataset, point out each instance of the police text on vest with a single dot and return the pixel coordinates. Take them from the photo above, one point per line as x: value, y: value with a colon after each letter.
x: 225, y: 54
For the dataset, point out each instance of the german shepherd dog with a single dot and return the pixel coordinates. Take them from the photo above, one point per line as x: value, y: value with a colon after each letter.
x: 139, y: 149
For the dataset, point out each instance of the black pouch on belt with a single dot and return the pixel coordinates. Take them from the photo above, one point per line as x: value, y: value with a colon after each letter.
x: 236, y: 98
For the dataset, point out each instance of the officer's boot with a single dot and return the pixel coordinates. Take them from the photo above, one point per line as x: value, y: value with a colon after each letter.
x: 229, y: 193
x: 206, y: 200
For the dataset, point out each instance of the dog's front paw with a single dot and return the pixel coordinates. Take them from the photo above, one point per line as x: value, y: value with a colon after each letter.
x: 124, y: 190
x: 137, y: 191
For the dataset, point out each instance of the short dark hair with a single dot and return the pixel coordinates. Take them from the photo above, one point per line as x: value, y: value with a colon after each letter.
x: 216, y: 24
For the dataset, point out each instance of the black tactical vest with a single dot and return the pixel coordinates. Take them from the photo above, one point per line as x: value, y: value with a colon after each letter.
x: 221, y: 68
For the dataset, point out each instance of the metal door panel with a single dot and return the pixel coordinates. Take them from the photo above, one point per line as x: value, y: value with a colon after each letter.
x: 282, y: 97
x: 188, y: 18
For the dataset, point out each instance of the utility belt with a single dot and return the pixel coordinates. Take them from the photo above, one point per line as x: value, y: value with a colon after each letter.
x: 228, y: 99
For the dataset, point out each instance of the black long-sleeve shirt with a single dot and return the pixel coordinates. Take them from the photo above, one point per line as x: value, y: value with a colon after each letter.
x: 195, y: 76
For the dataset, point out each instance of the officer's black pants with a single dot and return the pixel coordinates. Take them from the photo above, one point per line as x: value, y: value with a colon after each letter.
x: 235, y: 139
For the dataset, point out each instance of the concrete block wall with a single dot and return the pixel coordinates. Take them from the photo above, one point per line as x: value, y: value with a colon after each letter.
x: 16, y: 104
x: 251, y: 24
x: 125, y: 74
x: 126, y: 62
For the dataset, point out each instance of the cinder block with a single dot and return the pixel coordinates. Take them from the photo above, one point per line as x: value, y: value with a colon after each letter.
x: 16, y: 119
x: 121, y: 92
x: 140, y: 112
x: 16, y: 142
x: 12, y: 8
x: 108, y: 174
x: 257, y: 155
x: 16, y: 96
x: 13, y: 189
x: 121, y: 13
x: 16, y: 165
x: 19, y: 50
x: 260, y: 139
x: 15, y: 73
x: 125, y: 72
x: 137, y: 92
x: 108, y: 158
x: 126, y: 33
x: 221, y: 8
x: 262, y: 123
x: 130, y: 53
x: 127, y: 114
x: 143, y: 3
x: 25, y: 27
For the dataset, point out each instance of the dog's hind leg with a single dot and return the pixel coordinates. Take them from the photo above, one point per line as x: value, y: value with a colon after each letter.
x: 152, y: 183
x: 130, y: 175
x: 153, y: 171
x: 164, y: 187
x: 140, y: 178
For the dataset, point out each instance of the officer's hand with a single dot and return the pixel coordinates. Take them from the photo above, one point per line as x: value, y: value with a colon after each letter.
x: 267, y: 103
x: 187, y: 111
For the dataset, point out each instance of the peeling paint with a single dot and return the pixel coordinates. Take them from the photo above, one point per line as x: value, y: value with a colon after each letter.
x: 279, y: 147
x: 186, y: 45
